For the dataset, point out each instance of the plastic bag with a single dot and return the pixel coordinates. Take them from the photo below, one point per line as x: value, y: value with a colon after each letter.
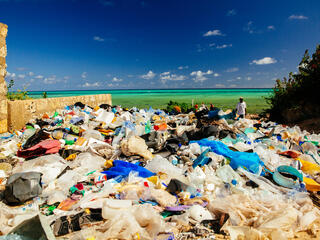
x: 22, y: 187
x: 92, y: 134
x: 160, y: 164
x: 135, y: 145
x: 49, y: 165
x: 250, y: 161
x: 126, y: 222
x: 104, y: 116
x: 123, y: 169
x: 87, y: 162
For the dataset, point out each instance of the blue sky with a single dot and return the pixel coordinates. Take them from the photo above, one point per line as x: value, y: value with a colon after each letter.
x: 120, y: 44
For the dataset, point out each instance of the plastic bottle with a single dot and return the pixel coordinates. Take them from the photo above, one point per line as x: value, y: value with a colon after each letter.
x: 148, y: 127
x: 118, y: 138
x: 65, y: 136
x: 231, y: 178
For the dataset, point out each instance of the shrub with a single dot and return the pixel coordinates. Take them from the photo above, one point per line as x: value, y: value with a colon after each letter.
x: 18, y: 95
x: 177, y: 107
x: 299, y: 92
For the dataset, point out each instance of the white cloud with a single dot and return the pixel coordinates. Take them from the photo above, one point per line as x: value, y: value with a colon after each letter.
x: 233, y: 85
x: 115, y: 79
x: 264, y: 61
x: 216, y: 75
x: 212, y: 44
x: 218, y: 85
x: 297, y: 17
x: 224, y: 46
x: 10, y: 75
x: 130, y: 76
x: 199, y: 76
x: 164, y: 73
x: 166, y: 76
x: 271, y: 27
x: 98, y: 39
x: 39, y: 77
x: 231, y: 12
x: 149, y: 75
x: 239, y: 78
x: 22, y: 76
x: 234, y: 69
x: 183, y: 67
x: 31, y: 80
x: 66, y: 77
x: 95, y: 84
x: 84, y: 75
x: 249, y: 27
x: 31, y: 74
x: 249, y: 78
x: 215, y: 32
x: 50, y: 80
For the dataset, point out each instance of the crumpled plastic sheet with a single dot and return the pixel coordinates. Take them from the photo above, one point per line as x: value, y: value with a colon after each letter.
x: 138, y: 221
x: 265, y: 213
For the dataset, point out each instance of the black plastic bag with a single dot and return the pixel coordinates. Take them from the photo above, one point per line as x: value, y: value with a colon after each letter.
x: 22, y: 187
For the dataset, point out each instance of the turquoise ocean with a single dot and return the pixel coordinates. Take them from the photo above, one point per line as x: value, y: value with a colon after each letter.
x: 224, y: 98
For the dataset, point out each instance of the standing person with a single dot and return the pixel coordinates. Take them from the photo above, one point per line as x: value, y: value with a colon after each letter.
x: 211, y: 107
x: 241, y: 108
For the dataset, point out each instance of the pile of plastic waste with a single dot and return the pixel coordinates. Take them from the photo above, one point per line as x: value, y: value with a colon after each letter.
x: 113, y: 173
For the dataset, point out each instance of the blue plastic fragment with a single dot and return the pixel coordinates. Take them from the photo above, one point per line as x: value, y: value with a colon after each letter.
x: 249, y: 161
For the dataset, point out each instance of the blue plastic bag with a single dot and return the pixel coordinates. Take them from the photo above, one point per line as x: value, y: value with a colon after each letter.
x: 121, y: 168
x: 249, y: 161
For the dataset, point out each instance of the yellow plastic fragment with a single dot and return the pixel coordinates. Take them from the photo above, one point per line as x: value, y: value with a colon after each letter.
x: 309, y: 168
x: 311, y: 185
x: 108, y: 163
x: 71, y: 157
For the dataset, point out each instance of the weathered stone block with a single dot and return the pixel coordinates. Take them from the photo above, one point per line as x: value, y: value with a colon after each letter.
x: 3, y: 86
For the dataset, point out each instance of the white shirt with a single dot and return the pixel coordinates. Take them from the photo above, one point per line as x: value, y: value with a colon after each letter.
x: 241, y: 108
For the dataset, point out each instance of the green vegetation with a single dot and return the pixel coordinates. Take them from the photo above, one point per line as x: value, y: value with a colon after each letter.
x: 297, y: 98
x: 44, y: 95
x: 18, y: 95
x: 255, y: 104
x: 182, y: 107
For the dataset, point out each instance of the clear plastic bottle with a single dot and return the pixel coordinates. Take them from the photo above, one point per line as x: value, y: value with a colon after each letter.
x: 118, y: 138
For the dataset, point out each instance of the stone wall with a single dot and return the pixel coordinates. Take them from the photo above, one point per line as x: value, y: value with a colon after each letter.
x: 21, y: 111
x: 3, y: 86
